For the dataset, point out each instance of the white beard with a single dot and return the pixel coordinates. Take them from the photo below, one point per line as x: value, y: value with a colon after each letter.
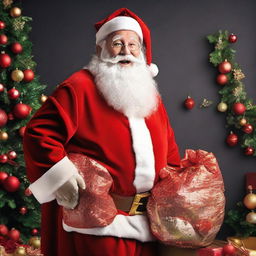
x: 130, y: 90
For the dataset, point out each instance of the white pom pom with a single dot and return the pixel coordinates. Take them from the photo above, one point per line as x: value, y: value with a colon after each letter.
x: 153, y: 69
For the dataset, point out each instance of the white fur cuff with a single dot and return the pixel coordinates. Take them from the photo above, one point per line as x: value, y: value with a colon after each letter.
x: 43, y: 189
x: 153, y: 69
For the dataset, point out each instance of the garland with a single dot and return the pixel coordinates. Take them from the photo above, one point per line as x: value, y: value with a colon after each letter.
x: 240, y: 111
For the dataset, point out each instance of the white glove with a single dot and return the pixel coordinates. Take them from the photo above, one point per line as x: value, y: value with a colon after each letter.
x: 67, y: 195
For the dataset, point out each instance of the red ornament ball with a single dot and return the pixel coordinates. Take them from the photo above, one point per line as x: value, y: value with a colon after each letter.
x: 11, y: 184
x: 3, y: 39
x: 247, y: 128
x: 21, y: 110
x: 225, y: 67
x: 222, y: 79
x: 3, y: 176
x: 249, y: 151
x: 14, y: 234
x: 3, y: 158
x: 229, y: 250
x: 16, y: 48
x: 22, y: 131
x: 3, y: 118
x: 189, y: 103
x: 34, y: 232
x: 10, y: 116
x: 2, y: 25
x: 13, y: 94
x: 28, y: 75
x: 5, y: 60
x: 232, y: 139
x: 23, y: 210
x: 1, y: 87
x: 27, y: 192
x: 12, y: 154
x: 3, y: 230
x: 239, y: 108
x: 232, y: 38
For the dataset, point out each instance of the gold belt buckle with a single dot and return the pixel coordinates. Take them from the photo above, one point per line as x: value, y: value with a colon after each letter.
x: 137, y: 202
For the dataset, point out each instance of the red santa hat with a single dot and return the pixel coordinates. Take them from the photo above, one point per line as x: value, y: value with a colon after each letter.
x: 124, y: 19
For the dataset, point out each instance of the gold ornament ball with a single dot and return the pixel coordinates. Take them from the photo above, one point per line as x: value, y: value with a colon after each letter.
x: 243, y: 121
x: 17, y: 75
x: 15, y: 12
x: 43, y: 98
x: 35, y: 242
x: 250, y: 201
x: 251, y: 217
x: 222, y: 107
x: 20, y: 251
x: 4, y: 136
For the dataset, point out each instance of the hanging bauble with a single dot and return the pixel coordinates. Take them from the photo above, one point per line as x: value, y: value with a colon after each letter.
x: 22, y: 131
x: 43, y: 98
x: 34, y: 232
x: 225, y: 67
x: 228, y: 250
x: 20, y: 251
x: 15, y: 12
x: 2, y: 25
x: 239, y: 108
x: 10, y: 116
x: 3, y: 176
x: 11, y: 184
x: 3, y: 118
x: 222, y: 79
x: 17, y: 75
x: 28, y: 75
x: 21, y: 110
x: 12, y: 154
x: 232, y: 38
x: 14, y: 234
x: 1, y: 87
x: 27, y: 192
x: 3, y: 158
x: 189, y: 103
x: 13, y: 94
x: 3, y: 39
x: 247, y: 128
x: 35, y: 242
x: 249, y: 151
x: 5, y: 60
x: 222, y: 107
x: 242, y: 121
x: 250, y: 199
x: 232, y: 139
x: 251, y: 217
x: 16, y: 48
x: 4, y: 136
x: 23, y: 210
x: 3, y: 230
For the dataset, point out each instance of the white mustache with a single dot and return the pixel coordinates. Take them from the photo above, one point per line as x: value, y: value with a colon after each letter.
x: 116, y: 59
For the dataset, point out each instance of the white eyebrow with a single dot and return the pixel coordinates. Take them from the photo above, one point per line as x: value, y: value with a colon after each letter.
x: 118, y: 37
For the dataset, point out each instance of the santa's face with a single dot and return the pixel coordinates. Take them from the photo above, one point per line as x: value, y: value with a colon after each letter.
x: 123, y: 43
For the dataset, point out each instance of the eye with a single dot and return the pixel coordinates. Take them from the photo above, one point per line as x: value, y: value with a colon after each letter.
x: 117, y: 44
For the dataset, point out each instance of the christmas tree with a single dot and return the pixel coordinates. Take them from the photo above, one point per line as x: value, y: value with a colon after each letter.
x: 20, y: 96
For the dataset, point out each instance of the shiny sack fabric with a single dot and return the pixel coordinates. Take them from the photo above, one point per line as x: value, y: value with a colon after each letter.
x: 186, y: 207
x: 96, y: 207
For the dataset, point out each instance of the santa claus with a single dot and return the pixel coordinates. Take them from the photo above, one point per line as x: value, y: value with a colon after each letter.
x: 110, y: 111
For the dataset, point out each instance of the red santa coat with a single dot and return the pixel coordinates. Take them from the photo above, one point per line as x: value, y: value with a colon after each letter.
x: 76, y: 118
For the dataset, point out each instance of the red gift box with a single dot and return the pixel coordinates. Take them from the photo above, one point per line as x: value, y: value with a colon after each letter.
x: 210, y: 252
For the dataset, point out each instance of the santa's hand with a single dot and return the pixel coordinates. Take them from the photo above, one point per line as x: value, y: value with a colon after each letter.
x: 67, y: 195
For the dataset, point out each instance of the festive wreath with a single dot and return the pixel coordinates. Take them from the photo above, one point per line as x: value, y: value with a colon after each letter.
x: 240, y: 111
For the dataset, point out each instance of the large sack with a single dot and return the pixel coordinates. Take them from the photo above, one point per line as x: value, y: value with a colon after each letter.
x: 186, y: 208
x: 96, y: 207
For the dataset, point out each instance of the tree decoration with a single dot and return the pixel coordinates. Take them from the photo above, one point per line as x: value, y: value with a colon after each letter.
x: 43, y: 98
x: 2, y: 25
x: 17, y: 75
x: 3, y: 39
x: 222, y: 107
x: 232, y: 139
x: 15, y: 12
x: 28, y: 75
x: 13, y: 94
x: 16, y: 48
x: 206, y: 103
x: 189, y: 103
x: 21, y: 110
x: 3, y: 136
x: 5, y: 60
x: 11, y: 184
x: 7, y: 3
x: 233, y: 92
x: 3, y: 118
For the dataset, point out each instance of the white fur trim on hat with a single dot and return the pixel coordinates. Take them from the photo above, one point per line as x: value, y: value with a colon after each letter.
x: 153, y: 69
x: 118, y: 23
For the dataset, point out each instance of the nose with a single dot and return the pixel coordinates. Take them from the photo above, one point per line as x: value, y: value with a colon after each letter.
x: 125, y: 50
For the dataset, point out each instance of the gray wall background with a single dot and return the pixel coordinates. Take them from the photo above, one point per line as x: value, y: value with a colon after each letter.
x: 64, y: 36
